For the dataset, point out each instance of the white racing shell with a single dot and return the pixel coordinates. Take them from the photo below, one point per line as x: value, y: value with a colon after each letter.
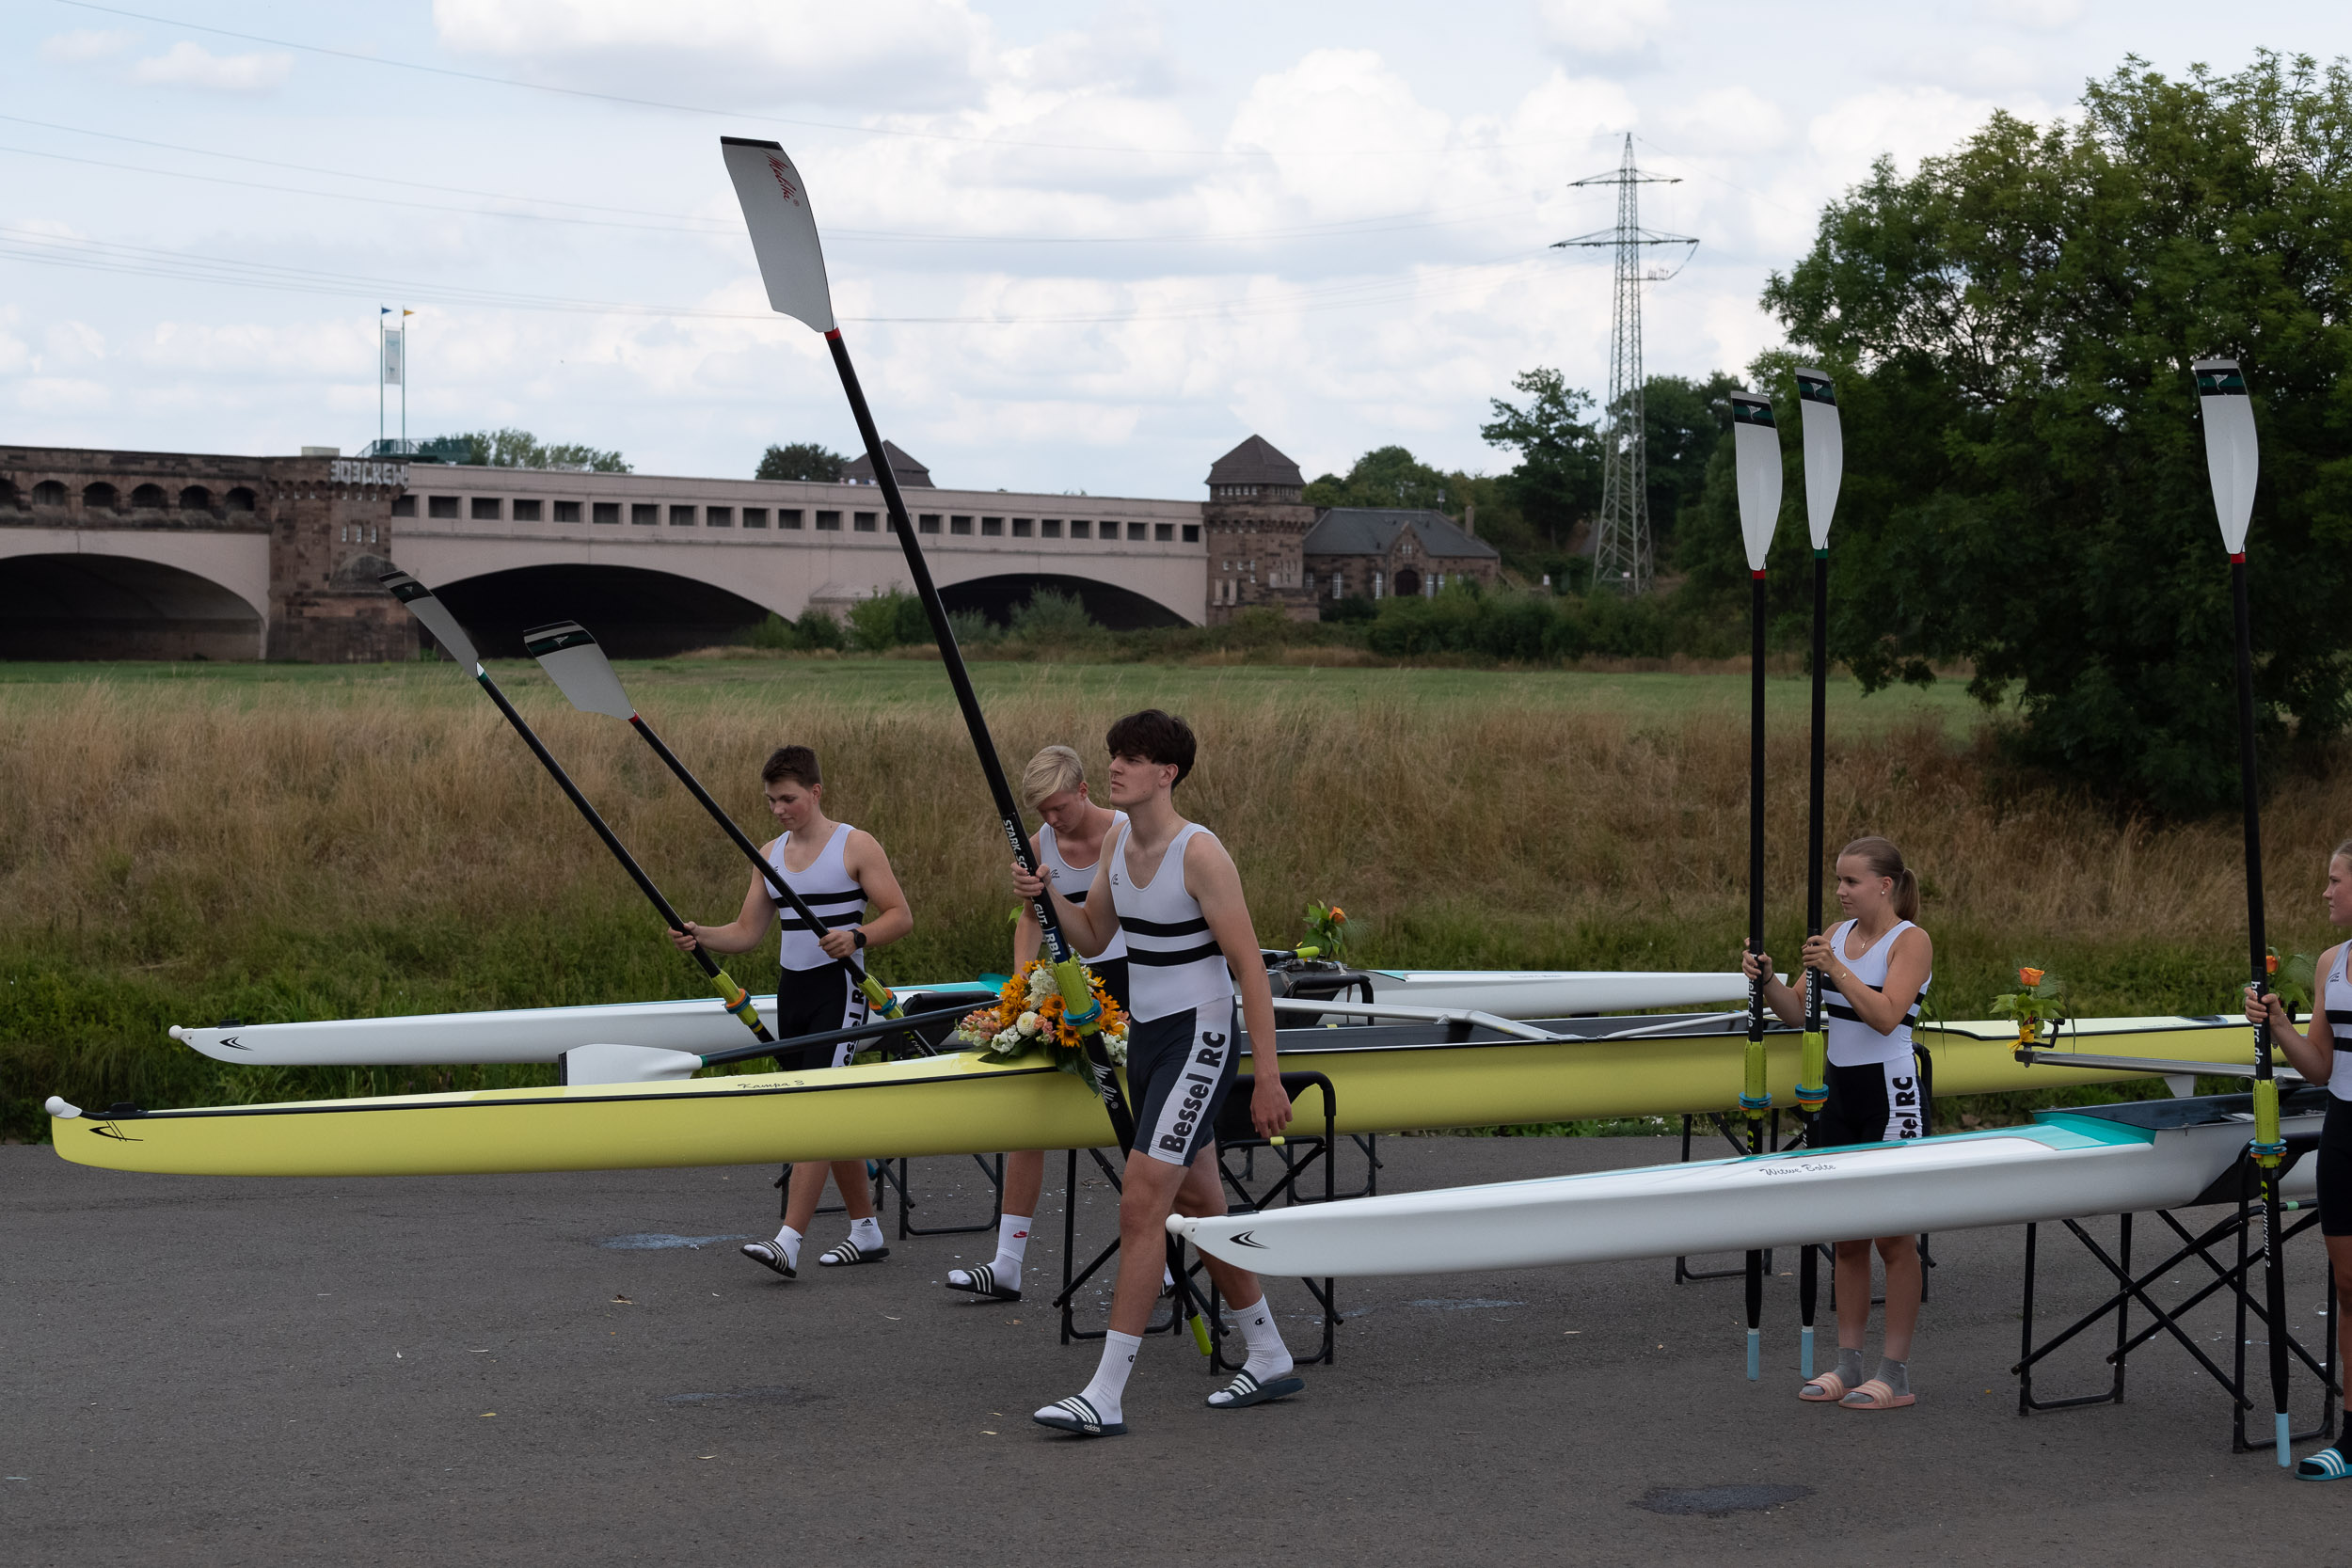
x: 701, y: 1026
x: 2157, y: 1154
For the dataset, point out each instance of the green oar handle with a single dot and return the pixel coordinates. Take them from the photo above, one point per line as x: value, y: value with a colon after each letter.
x: 1077, y: 997
x: 876, y: 994
x: 737, y: 1001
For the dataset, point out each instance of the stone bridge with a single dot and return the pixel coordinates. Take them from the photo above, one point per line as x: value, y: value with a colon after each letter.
x: 165, y: 555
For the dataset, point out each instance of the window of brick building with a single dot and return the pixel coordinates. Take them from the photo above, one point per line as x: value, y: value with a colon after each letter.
x: 829, y: 522
x: 959, y: 524
x: 926, y: 523
x: 1049, y: 529
x: 992, y: 527
x: 718, y: 516
x: 525, y: 512
x: 1136, y: 532
x: 1164, y: 533
x: 402, y: 506
x: 568, y: 512
x: 861, y: 522
x: 605, y: 512
x: 1022, y: 527
x: 643, y: 515
x: 681, y: 517
x: 1079, y: 528
x: 754, y: 516
x: 788, y: 517
x: 484, y: 509
x: 1192, y: 534
x: 442, y: 506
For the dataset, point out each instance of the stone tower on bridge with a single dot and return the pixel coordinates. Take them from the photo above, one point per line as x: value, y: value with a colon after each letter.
x: 1255, y: 524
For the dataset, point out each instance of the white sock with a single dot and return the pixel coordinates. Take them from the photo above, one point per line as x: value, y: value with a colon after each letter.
x: 1012, y: 1245
x: 787, y: 1241
x: 1110, y: 1375
x: 866, y: 1234
x: 1268, y: 1358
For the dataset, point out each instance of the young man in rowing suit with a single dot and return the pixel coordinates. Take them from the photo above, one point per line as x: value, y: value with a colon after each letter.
x: 837, y: 871
x: 1068, y: 848
x: 1169, y: 886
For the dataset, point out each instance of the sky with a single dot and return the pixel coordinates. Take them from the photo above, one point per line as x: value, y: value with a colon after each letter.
x: 1075, y: 246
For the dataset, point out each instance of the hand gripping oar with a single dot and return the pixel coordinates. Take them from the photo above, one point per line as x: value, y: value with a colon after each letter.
x: 792, y: 265
x: 2232, y: 460
x: 576, y: 663
x: 446, y: 631
x: 1756, y: 450
x: 1824, y: 467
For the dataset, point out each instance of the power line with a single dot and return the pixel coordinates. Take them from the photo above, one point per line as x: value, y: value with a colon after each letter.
x: 705, y: 111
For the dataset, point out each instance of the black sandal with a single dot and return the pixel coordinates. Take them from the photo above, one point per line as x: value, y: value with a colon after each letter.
x: 981, y: 1282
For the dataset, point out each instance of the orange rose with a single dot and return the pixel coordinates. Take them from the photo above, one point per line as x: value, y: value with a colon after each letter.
x: 2029, y: 976
x: 1338, y: 915
x: 2270, y: 963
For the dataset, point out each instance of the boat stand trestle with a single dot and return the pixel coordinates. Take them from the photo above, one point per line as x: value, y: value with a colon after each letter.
x: 2241, y: 1188
x: 1196, y: 1295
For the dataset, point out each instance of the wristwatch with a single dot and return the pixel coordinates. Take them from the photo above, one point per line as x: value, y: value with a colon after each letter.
x: 857, y: 934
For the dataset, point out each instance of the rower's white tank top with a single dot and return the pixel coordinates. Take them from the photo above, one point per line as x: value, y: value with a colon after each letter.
x: 1172, y: 963
x: 829, y: 892
x: 2338, y: 1001
x: 1072, y: 881
x: 1852, y: 1042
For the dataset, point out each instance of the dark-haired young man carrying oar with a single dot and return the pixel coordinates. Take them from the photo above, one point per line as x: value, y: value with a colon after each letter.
x: 1170, y: 887
x: 838, y: 870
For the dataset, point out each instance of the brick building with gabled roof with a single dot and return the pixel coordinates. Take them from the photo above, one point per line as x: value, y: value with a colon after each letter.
x: 1367, y: 552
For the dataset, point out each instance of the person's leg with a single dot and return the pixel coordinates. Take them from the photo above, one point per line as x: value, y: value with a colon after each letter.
x: 1000, y: 1276
x: 802, y: 1194
x: 1850, y: 1278
x: 2340, y: 1263
x: 1266, y: 1370
x: 1148, y: 1192
x: 857, y: 1189
x: 1901, y: 1254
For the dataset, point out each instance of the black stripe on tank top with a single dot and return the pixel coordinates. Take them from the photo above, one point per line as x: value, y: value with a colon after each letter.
x: 1152, y: 958
x: 1845, y: 1010
x: 1162, y: 927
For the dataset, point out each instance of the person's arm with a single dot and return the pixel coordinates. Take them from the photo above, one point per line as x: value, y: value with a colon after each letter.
x: 1907, y: 971
x: 2312, y: 1054
x: 1212, y: 879
x: 746, y: 931
x: 1027, y: 935
x: 1090, y: 926
x: 1784, y: 1000
x: 862, y: 858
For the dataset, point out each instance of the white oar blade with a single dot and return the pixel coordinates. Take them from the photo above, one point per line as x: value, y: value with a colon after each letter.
x: 579, y: 668
x: 2232, y: 457
x: 436, y: 616
x: 784, y: 230
x: 1755, y: 454
x: 1825, y: 452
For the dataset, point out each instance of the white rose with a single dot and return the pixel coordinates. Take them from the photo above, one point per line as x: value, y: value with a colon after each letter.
x: 1029, y: 1023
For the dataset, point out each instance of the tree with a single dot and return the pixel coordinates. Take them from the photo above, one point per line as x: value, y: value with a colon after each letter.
x: 1385, y: 476
x: 2026, y: 486
x: 510, y: 448
x: 803, y: 460
x: 1556, y: 483
x: 1683, y: 423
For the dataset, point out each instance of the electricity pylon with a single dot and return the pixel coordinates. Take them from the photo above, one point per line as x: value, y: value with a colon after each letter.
x: 1621, y: 540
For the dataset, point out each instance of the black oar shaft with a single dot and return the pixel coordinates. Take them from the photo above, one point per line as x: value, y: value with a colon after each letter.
x: 908, y: 1024
x: 708, y: 965
x: 784, y: 890
x: 959, y: 678
x: 1755, y: 1095
x: 2257, y: 966
x: 1814, y: 810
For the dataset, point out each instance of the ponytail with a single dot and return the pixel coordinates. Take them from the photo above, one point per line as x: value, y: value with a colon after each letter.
x: 1884, y: 860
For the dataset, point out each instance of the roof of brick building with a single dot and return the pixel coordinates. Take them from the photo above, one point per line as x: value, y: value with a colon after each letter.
x: 1371, y: 530
x: 1255, y: 462
x: 910, y: 474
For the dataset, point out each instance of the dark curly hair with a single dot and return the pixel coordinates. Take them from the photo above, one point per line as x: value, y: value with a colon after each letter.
x: 1154, y: 737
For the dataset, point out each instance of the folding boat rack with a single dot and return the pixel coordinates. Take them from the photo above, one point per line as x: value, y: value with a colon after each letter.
x: 2240, y: 1187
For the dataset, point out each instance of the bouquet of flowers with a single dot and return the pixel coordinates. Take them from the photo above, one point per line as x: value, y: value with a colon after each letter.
x: 1027, y: 1016
x: 2039, y: 998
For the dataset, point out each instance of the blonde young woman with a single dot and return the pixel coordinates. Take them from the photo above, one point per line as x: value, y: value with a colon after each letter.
x: 2320, y: 1056
x: 1878, y: 965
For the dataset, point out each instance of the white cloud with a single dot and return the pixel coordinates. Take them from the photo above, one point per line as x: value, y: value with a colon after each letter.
x: 82, y: 46
x: 1908, y: 122
x: 1606, y: 27
x: 2041, y: 16
x: 190, y: 65
x: 906, y: 54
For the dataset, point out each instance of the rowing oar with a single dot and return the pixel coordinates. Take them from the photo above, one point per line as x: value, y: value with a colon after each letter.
x: 1824, y: 467
x: 2232, y: 460
x: 792, y: 265
x: 576, y: 663
x: 446, y: 631
x: 1756, y: 450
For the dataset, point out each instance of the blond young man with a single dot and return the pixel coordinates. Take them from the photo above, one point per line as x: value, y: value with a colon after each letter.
x: 1068, y: 847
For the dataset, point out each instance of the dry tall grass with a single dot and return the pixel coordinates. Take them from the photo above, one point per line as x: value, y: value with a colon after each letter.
x: 175, y: 854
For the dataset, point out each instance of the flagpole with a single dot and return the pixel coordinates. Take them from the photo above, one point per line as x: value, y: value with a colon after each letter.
x: 381, y: 312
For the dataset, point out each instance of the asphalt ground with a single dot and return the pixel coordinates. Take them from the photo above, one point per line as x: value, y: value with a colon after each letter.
x: 462, y: 1370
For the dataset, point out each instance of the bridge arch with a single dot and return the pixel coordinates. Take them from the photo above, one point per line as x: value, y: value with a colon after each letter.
x: 91, y: 606
x: 636, y: 612
x: 1111, y: 605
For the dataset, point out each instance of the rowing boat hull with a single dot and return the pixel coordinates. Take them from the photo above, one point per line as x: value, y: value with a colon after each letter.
x: 2069, y: 1165
x: 1385, y: 1077
x: 701, y: 1026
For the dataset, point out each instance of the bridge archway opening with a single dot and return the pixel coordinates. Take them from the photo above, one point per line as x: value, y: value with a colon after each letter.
x: 635, y: 614
x: 1110, y: 605
x: 112, y: 606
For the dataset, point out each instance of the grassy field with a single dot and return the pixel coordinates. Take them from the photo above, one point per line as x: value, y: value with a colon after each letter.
x: 183, y: 842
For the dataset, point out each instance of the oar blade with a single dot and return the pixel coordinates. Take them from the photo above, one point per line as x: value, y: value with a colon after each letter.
x: 2233, y: 455
x: 436, y: 616
x: 1824, y: 450
x: 1755, y: 452
x: 783, y: 228
x: 573, y: 661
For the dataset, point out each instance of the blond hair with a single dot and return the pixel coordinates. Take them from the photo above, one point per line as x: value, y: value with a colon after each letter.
x: 1050, y: 773
x: 1886, y: 861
